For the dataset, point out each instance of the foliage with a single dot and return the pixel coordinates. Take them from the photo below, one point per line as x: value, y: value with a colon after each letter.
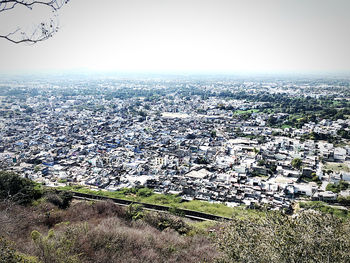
x: 10, y: 255
x: 201, y: 160
x: 61, y: 199
x: 168, y: 200
x: 176, y: 211
x: 7, y: 253
x: 162, y: 221
x: 344, y: 200
x: 40, y: 32
x: 336, y: 188
x: 239, y: 112
x: 135, y: 212
x: 144, y: 192
x: 116, y: 240
x: 101, y: 232
x: 57, y: 249
x: 319, y: 137
x: 202, y: 227
x: 261, y: 162
x: 344, y: 134
x: 18, y: 189
x: 98, y: 232
x: 307, y: 237
x: 324, y: 208
x: 296, y: 163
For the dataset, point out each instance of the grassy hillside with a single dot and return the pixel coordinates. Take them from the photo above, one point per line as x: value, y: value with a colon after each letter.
x: 53, y: 228
x: 145, y: 195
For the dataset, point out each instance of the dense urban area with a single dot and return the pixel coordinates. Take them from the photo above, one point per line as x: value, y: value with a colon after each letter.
x: 201, y: 169
x: 234, y: 141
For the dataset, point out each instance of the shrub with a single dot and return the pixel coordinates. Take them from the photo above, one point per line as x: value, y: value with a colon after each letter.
x: 7, y: 253
x: 344, y: 200
x: 57, y: 248
x: 336, y: 188
x: 308, y: 237
x: 163, y: 221
x: 324, y: 208
x: 61, y: 199
x: 18, y: 189
x: 134, y: 211
x: 144, y: 192
x: 296, y: 163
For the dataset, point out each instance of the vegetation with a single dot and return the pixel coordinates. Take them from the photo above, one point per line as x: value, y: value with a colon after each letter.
x: 18, y: 189
x: 313, y: 178
x: 296, y: 163
x: 336, y: 188
x: 297, y: 110
x: 239, y: 112
x: 60, y: 199
x: 40, y: 31
x: 326, y: 209
x: 337, y: 167
x: 9, y: 255
x: 308, y: 237
x: 172, y: 201
x: 105, y: 232
x: 344, y: 200
x: 320, y: 137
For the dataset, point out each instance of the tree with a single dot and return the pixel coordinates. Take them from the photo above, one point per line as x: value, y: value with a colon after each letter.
x: 296, y: 163
x: 336, y: 188
x: 42, y: 31
x: 17, y: 189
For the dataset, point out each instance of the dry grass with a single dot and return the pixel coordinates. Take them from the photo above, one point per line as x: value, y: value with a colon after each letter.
x: 100, y: 232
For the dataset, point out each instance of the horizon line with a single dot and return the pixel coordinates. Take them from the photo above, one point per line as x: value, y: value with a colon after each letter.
x: 77, y: 72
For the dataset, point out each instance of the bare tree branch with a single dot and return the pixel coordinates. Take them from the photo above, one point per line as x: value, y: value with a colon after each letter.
x: 10, y: 4
x: 42, y: 31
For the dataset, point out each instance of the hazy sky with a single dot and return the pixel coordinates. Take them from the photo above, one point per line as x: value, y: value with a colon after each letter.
x: 188, y: 36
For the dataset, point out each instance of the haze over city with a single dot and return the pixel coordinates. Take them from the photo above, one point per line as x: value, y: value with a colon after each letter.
x: 227, y: 36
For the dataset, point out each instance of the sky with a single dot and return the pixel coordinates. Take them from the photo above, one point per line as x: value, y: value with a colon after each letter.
x: 185, y: 36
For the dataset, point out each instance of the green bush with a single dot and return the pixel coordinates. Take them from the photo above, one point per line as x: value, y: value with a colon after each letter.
x: 336, y: 188
x: 296, y: 163
x: 18, y: 189
x: 344, y: 200
x: 61, y: 199
x: 7, y: 253
x: 54, y: 248
x: 324, y: 208
x: 134, y: 212
x: 163, y: 221
x: 144, y: 192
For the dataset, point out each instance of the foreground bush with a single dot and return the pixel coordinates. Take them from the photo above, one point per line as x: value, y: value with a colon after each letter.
x: 7, y: 253
x: 101, y: 232
x: 18, y: 189
x: 114, y: 240
x: 61, y: 199
x: 104, y: 232
x: 309, y: 237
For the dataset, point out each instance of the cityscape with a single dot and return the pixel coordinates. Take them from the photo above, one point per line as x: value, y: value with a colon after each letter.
x: 213, y: 139
x: 174, y: 131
